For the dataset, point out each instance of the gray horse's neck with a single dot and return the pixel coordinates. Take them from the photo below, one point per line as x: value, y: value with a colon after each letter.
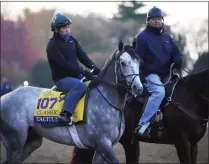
x: 107, y: 80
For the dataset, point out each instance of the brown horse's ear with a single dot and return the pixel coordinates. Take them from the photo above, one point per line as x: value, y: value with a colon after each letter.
x: 134, y: 43
x: 120, y: 46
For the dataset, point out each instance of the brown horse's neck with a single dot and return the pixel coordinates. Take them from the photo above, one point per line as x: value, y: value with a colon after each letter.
x: 198, y: 84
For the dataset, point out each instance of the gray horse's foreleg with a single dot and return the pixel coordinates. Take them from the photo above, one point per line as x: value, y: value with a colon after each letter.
x: 14, y: 144
x: 29, y: 147
x: 7, y: 148
x: 97, y: 158
x: 14, y: 149
x: 32, y: 143
x: 104, y: 152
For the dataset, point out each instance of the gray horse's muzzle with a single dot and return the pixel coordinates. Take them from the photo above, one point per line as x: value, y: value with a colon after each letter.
x: 137, y: 89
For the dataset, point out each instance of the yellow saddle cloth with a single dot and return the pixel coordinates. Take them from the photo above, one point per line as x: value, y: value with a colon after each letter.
x: 49, y: 106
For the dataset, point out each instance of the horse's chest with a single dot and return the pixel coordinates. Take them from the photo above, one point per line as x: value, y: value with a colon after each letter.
x: 119, y: 129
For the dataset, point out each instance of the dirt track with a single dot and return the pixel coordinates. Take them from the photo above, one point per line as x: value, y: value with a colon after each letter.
x: 51, y: 152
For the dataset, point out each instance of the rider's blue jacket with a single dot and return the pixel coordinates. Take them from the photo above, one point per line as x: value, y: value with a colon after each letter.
x: 63, y: 56
x: 158, y: 51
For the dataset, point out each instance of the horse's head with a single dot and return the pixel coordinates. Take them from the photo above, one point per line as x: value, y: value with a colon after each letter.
x: 127, y: 68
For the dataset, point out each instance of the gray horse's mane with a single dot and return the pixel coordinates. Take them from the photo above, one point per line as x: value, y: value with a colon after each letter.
x: 107, y: 64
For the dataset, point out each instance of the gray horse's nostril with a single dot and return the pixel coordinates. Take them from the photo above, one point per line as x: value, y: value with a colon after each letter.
x: 134, y: 88
x: 137, y: 90
x: 140, y: 90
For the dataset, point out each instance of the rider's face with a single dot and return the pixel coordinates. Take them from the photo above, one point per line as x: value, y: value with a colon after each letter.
x: 65, y: 30
x: 156, y: 22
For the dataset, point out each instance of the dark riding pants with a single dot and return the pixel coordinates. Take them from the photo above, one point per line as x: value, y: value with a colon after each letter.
x: 75, y: 90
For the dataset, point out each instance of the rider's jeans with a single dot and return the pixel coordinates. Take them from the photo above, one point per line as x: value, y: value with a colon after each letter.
x: 75, y: 90
x: 154, y: 101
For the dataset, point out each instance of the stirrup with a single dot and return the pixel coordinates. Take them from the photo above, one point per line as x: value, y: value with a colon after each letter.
x: 146, y: 133
x: 143, y: 127
x: 137, y: 129
x: 70, y: 123
x: 69, y: 120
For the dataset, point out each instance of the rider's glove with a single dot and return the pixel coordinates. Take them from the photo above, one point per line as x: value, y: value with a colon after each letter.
x: 87, y: 74
x: 96, y: 70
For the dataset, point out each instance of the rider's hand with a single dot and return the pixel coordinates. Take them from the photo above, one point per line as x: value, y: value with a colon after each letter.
x: 87, y: 74
x: 177, y: 72
x: 96, y: 70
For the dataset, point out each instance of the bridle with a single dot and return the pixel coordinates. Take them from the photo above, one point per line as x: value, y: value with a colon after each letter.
x: 120, y: 81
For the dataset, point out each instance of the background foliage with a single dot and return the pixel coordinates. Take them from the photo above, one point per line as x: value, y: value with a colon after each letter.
x: 23, y: 42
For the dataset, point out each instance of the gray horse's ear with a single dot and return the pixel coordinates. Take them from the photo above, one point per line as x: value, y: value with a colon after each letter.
x: 134, y: 43
x: 120, y: 46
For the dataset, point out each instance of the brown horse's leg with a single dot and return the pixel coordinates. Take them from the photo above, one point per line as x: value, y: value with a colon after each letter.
x: 194, y: 143
x: 82, y: 156
x: 183, y: 147
x: 194, y: 151
x: 132, y: 151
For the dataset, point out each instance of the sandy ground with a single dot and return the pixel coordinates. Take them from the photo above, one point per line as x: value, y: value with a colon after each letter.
x: 51, y: 152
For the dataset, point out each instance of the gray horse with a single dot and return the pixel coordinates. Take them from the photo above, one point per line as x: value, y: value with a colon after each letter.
x: 105, y: 120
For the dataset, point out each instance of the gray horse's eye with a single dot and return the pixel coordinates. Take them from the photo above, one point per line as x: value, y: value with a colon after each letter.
x: 123, y: 63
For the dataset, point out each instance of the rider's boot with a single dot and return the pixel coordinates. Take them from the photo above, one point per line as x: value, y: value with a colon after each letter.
x: 65, y: 117
x: 143, y: 131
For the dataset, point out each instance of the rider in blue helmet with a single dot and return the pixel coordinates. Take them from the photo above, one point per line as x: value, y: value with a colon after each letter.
x: 63, y: 52
x: 158, y: 51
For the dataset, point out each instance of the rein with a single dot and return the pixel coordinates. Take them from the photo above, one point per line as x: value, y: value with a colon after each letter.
x: 169, y: 79
x: 178, y: 106
x: 117, y: 85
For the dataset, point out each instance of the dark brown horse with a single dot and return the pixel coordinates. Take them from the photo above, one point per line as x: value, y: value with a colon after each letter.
x: 184, y: 120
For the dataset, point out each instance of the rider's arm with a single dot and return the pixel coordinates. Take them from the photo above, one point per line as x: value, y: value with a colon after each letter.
x: 54, y: 53
x: 176, y: 55
x: 82, y: 57
x: 140, y: 46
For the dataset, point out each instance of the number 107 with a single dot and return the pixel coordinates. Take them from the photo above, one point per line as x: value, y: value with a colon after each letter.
x: 43, y: 103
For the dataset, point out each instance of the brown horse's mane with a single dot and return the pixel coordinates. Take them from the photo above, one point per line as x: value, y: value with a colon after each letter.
x: 198, y: 81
